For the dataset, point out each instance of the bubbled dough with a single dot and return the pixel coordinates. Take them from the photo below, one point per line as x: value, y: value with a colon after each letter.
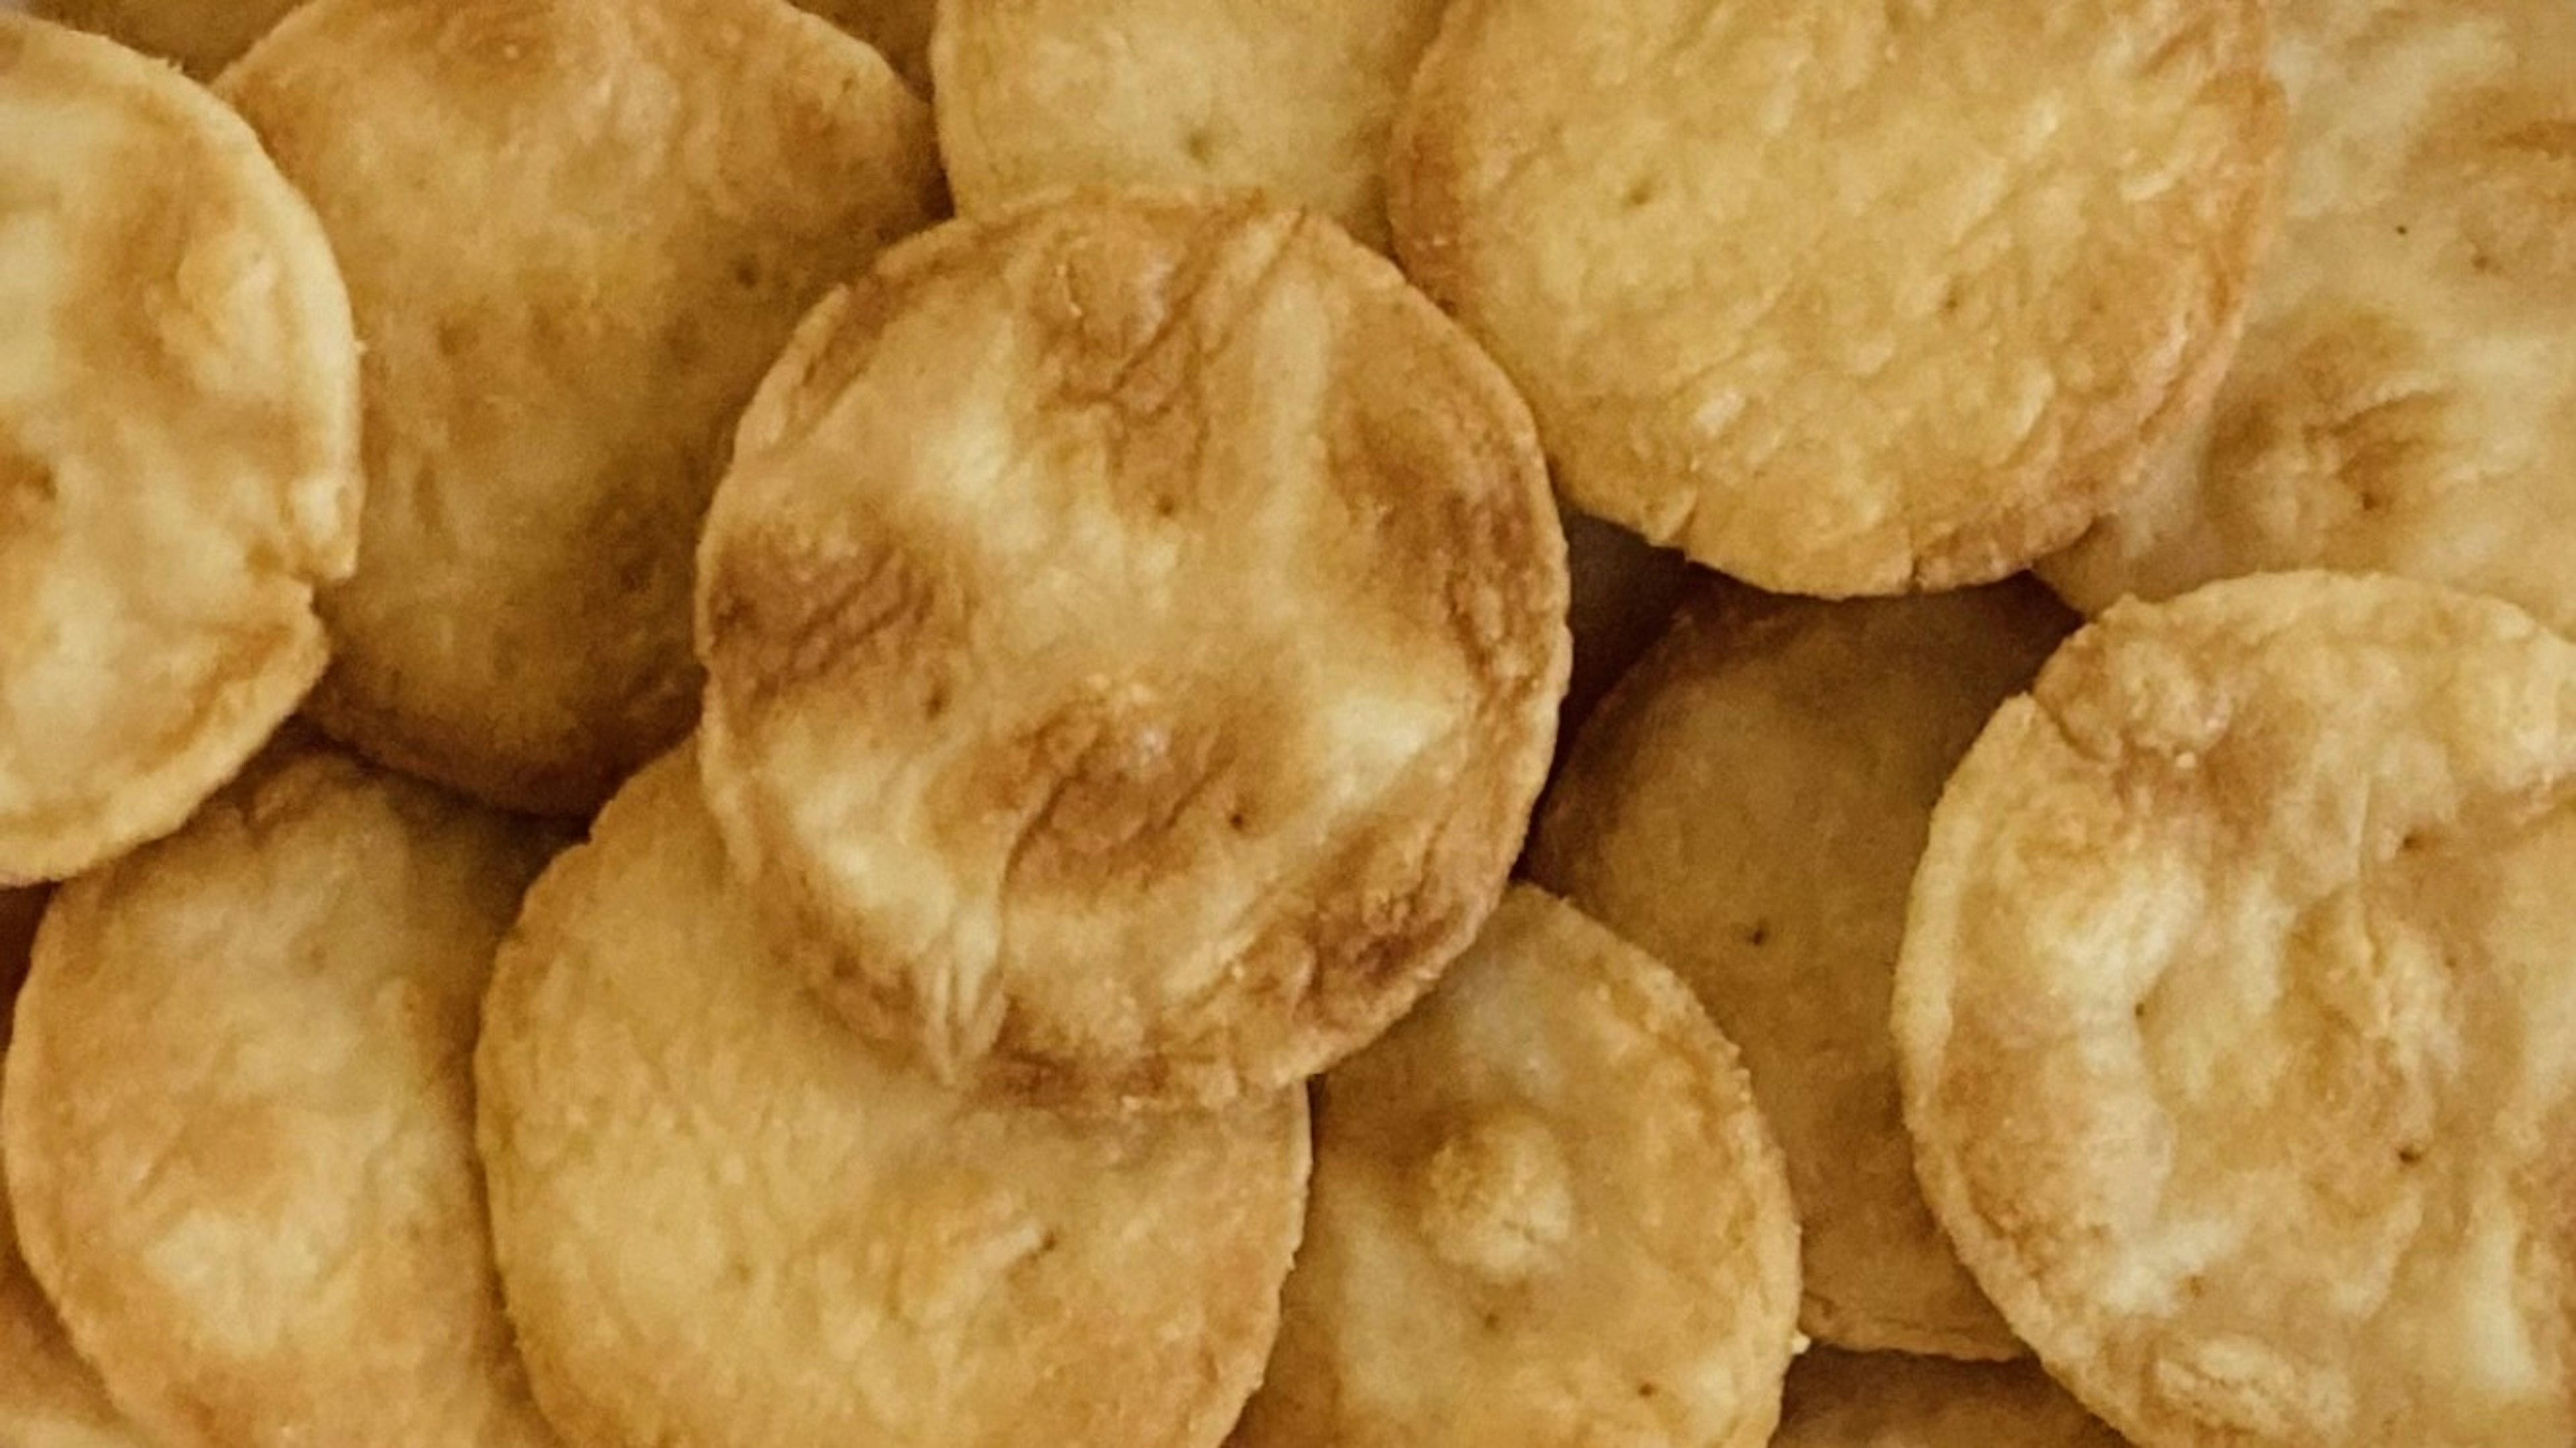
x: 1546, y: 1211
x: 1750, y: 806
x: 725, y: 1222
x: 1135, y: 629
x: 2405, y: 399
x: 2235, y: 1021
x: 1890, y: 1400
x: 178, y: 448
x: 238, y: 1118
x: 1844, y: 298
x: 646, y: 195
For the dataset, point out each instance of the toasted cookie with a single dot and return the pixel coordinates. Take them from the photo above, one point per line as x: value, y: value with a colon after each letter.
x: 201, y: 35
x: 2405, y: 399
x: 178, y: 448
x: 1546, y: 1211
x: 239, y: 1124
x: 723, y: 1219
x: 899, y: 29
x: 1846, y: 299
x: 1749, y: 806
x: 2235, y: 1013
x: 1297, y: 100
x: 641, y: 197
x: 1134, y: 626
x: 1890, y: 1400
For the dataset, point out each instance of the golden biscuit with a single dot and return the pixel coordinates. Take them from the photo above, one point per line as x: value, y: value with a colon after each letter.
x: 178, y: 448
x: 1294, y: 99
x: 1749, y: 806
x: 2405, y: 400
x: 726, y: 1222
x: 239, y: 1124
x: 2234, y: 1017
x: 899, y: 29
x: 1890, y: 1400
x: 201, y: 35
x: 1134, y: 628
x: 576, y: 233
x: 1846, y: 299
x: 1546, y: 1211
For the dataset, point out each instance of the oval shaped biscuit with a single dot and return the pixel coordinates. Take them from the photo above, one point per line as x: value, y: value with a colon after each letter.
x: 726, y: 1222
x: 238, y: 1117
x: 178, y: 448
x: 640, y: 198
x: 1750, y: 805
x: 2235, y: 1010
x: 1846, y: 299
x: 1890, y: 1400
x: 1545, y: 1211
x: 1134, y: 627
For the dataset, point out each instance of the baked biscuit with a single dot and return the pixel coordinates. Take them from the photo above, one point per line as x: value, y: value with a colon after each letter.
x: 1297, y: 99
x: 1546, y: 1211
x: 1134, y: 625
x: 725, y: 1220
x: 178, y: 448
x: 2405, y: 400
x: 1846, y: 299
x: 642, y: 196
x: 239, y: 1124
x: 1889, y: 1400
x: 2234, y: 1013
x: 201, y: 35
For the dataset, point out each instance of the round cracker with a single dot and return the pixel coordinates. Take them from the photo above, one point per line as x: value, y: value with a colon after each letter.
x: 1546, y: 1211
x: 178, y: 390
x: 2405, y: 399
x: 239, y: 1124
x: 724, y: 1220
x: 201, y: 35
x: 1749, y: 806
x: 1134, y: 626
x: 1846, y: 299
x: 2234, y: 1017
x: 1890, y: 1400
x: 1297, y: 100
x: 646, y: 195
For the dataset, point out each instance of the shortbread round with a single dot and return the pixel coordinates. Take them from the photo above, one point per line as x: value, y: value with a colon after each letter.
x: 178, y: 448
x: 726, y: 1222
x: 1846, y: 299
x: 2235, y: 1017
x: 576, y: 233
x: 1890, y: 1400
x: 1135, y: 625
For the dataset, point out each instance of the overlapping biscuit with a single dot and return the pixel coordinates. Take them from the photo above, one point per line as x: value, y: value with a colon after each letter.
x: 637, y: 199
x: 201, y: 35
x: 725, y: 1220
x: 238, y: 1117
x: 1750, y: 805
x: 1890, y: 1400
x: 1846, y: 299
x: 2405, y: 399
x: 2234, y: 1017
x: 1135, y: 625
x: 178, y: 448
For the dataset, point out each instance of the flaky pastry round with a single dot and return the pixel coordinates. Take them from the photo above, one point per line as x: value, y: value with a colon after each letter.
x: 1846, y: 299
x: 178, y: 448
x: 2235, y: 1017
x: 634, y: 201
x: 1134, y: 627
x: 1891, y: 1400
x: 239, y: 1123
x: 726, y: 1222
x: 1545, y: 1212
x: 201, y: 35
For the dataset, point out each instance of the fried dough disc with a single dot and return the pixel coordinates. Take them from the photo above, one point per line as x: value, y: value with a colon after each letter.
x: 178, y: 448
x: 2236, y: 1022
x: 640, y: 198
x: 1295, y: 99
x: 1750, y: 805
x: 1891, y: 1400
x: 201, y: 35
x: 1546, y: 1212
x: 2405, y: 399
x: 1843, y: 298
x: 899, y: 29
x: 1135, y: 628
x: 239, y: 1123
x: 725, y: 1220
